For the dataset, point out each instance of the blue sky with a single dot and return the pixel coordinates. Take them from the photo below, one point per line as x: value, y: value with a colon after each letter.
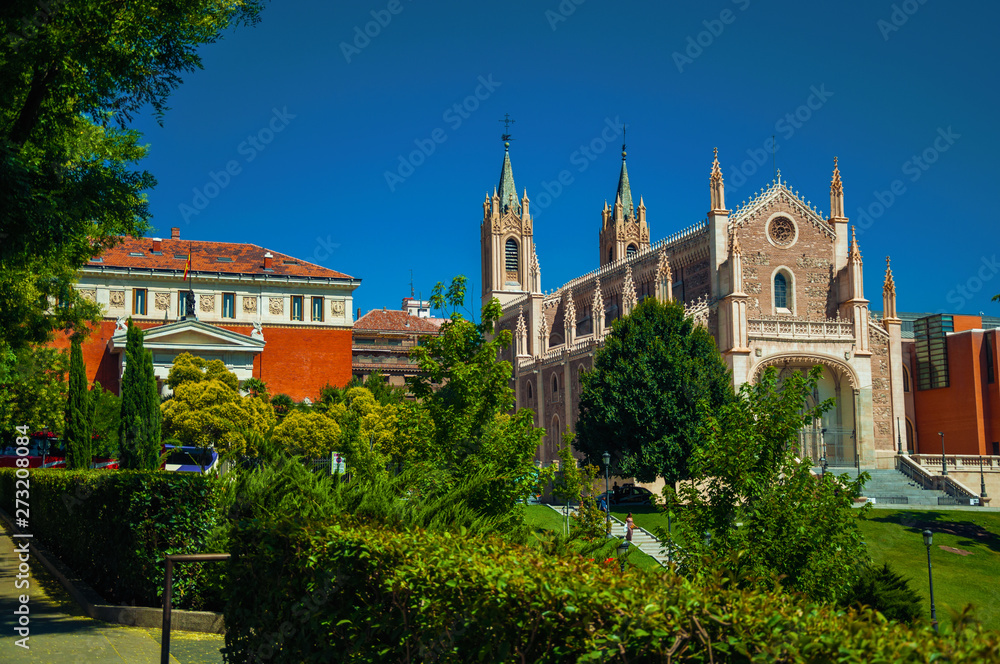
x: 904, y: 93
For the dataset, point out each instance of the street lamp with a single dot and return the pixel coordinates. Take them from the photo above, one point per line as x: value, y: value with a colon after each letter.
x: 899, y: 437
x: 607, y: 498
x: 928, y: 541
x: 944, y: 461
x: 982, y: 482
x: 822, y: 440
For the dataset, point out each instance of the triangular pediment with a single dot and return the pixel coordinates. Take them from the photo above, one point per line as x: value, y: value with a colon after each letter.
x: 192, y: 335
x: 763, y: 204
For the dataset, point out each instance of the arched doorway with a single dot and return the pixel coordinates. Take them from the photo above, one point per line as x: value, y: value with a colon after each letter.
x: 832, y: 436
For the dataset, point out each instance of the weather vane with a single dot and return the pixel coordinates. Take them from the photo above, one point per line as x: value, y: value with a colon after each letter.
x: 507, y: 122
x: 624, y: 127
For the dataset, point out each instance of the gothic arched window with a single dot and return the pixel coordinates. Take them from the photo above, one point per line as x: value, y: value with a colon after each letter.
x: 555, y: 386
x: 780, y: 291
x: 631, y: 251
x: 510, y: 252
x: 528, y: 391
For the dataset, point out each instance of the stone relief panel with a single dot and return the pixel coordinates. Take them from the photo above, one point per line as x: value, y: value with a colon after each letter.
x: 881, y: 397
x: 275, y: 305
x: 116, y: 299
x: 89, y: 294
x: 161, y: 301
x: 207, y: 303
x: 337, y: 308
x: 250, y: 305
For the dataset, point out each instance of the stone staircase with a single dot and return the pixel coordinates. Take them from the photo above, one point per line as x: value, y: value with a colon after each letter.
x: 641, y: 538
x: 891, y: 487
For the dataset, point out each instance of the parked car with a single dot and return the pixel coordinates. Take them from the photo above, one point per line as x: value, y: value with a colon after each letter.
x: 630, y: 494
x: 190, y: 459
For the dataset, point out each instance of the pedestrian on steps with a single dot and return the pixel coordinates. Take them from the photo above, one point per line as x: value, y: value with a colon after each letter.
x: 629, y: 527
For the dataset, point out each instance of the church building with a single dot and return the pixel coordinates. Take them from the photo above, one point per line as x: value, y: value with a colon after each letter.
x: 776, y: 282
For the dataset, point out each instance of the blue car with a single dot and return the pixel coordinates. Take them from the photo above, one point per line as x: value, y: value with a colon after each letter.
x: 190, y: 459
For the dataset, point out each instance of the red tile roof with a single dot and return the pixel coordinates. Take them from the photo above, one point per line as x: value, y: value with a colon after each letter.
x: 393, y: 320
x: 246, y: 258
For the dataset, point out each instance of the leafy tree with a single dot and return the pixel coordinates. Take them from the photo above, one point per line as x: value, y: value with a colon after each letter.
x: 640, y: 401
x: 34, y: 390
x: 106, y: 413
x: 369, y: 439
x: 139, y: 429
x: 767, y: 515
x: 188, y: 367
x: 575, y: 484
x: 79, y: 417
x: 67, y: 182
x: 207, y: 410
x: 282, y: 404
x: 461, y: 383
x: 383, y: 392
x: 309, y: 434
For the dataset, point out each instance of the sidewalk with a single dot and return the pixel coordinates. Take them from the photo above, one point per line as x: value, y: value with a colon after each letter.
x: 62, y: 634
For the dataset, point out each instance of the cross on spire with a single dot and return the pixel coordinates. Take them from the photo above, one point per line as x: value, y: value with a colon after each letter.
x: 507, y: 122
x: 624, y: 128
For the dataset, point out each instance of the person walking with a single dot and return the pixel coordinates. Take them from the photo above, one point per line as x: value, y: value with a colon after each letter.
x: 629, y: 527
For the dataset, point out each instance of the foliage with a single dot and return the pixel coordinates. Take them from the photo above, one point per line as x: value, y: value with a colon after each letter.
x: 886, y: 591
x: 282, y: 405
x: 341, y: 590
x: 68, y: 185
x: 640, y: 401
x: 312, y: 435
x: 369, y: 433
x: 575, y: 484
x: 106, y: 413
x: 210, y: 413
x: 765, y: 510
x: 255, y: 387
x: 190, y: 368
x: 114, y: 528
x: 140, y: 426
x: 34, y: 392
x: 79, y: 412
x: 383, y: 392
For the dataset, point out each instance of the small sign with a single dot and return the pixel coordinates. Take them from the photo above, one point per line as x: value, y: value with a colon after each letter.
x: 338, y: 465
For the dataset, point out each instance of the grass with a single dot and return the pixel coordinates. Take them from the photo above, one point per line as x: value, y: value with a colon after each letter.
x: 895, y: 536
x: 541, y: 518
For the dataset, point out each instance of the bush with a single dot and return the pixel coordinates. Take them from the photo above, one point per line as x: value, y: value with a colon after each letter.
x: 342, y: 591
x: 884, y: 590
x: 114, y: 528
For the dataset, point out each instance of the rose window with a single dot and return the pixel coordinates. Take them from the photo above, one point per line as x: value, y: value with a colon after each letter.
x: 782, y: 231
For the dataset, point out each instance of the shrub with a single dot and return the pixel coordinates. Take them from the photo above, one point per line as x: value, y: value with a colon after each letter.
x: 342, y: 591
x: 883, y: 589
x: 114, y: 528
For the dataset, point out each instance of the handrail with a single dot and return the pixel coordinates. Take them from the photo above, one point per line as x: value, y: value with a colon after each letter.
x: 171, y: 558
x: 912, y: 469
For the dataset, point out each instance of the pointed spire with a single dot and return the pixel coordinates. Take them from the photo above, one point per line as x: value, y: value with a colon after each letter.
x: 521, y: 332
x: 569, y: 318
x: 629, y: 299
x: 625, y: 191
x: 855, y: 254
x: 717, y: 186
x: 735, y: 264
x: 543, y: 334
x: 507, y: 189
x: 836, y: 194
x: 734, y: 244
x: 889, y: 295
x: 597, y: 309
x: 664, y: 277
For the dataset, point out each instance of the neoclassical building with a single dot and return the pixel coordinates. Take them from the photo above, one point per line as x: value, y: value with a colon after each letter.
x: 775, y: 281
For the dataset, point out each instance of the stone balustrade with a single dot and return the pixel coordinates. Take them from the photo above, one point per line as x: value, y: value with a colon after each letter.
x: 812, y: 330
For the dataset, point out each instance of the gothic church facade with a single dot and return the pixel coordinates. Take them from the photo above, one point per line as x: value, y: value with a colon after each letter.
x: 776, y: 283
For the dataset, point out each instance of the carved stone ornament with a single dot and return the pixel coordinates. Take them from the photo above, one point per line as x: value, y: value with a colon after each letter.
x: 275, y: 305
x: 161, y: 301
x: 781, y: 231
x: 208, y: 303
x: 89, y: 294
x: 250, y: 304
x: 116, y: 299
x: 337, y: 307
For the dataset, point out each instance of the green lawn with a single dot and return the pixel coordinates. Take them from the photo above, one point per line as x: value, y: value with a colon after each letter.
x: 894, y: 536
x: 542, y: 518
x: 649, y: 517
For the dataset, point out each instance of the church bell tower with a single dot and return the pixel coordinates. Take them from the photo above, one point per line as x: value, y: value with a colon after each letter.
x: 624, y: 232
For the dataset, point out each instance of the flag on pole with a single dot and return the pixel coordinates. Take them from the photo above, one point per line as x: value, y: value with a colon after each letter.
x: 187, y: 265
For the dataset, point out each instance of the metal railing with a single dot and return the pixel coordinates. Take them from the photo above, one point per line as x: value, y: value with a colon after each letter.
x: 168, y: 588
x: 928, y: 480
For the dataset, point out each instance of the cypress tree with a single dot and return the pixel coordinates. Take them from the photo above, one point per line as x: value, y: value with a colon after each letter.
x: 135, y: 389
x: 153, y: 424
x: 78, y: 415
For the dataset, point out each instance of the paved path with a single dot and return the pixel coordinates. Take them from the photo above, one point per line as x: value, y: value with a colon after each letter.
x: 61, y: 633
x: 641, y: 538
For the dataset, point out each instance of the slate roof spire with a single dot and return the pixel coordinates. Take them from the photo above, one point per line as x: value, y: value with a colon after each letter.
x: 625, y: 191
x: 508, y: 191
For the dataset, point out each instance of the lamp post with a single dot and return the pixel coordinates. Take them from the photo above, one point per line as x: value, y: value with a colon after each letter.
x: 607, y: 499
x: 899, y: 437
x: 822, y: 440
x: 982, y: 482
x: 928, y: 541
x: 944, y: 461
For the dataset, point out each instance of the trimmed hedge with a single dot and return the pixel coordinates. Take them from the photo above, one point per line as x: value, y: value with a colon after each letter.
x: 114, y: 528
x: 342, y: 592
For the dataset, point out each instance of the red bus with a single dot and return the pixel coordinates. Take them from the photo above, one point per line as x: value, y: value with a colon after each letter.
x: 46, y: 450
